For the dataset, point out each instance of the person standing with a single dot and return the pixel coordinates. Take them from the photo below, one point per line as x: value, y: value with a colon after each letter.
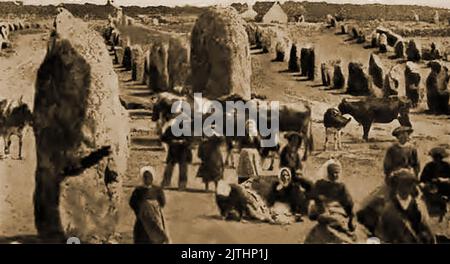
x: 147, y: 202
x: 402, y: 154
x: 212, y: 166
x: 179, y: 152
x: 249, y: 165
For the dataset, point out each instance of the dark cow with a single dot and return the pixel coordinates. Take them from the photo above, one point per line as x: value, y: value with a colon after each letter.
x: 334, y: 122
x: 377, y: 110
x: 14, y: 116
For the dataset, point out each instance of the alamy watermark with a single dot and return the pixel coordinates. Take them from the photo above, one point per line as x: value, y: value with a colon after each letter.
x: 228, y: 119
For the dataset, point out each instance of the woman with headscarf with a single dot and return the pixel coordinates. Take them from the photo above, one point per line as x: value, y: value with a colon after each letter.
x: 332, y: 208
x: 287, y: 191
x: 147, y: 202
x: 249, y: 165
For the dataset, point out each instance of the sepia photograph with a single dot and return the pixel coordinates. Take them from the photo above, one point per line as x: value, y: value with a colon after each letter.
x: 224, y: 122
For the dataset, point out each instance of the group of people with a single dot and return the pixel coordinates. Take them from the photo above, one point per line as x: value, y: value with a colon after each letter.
x: 395, y: 213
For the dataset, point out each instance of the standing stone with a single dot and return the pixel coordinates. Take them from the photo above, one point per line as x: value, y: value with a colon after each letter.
x: 137, y: 63
x: 220, y: 54
x: 390, y: 86
x: 383, y: 43
x: 391, y: 37
x: 77, y: 113
x: 146, y: 77
x: 433, y: 53
x: 354, y: 33
x: 251, y: 29
x: 436, y: 17
x: 158, y: 71
x: 412, y: 83
x: 399, y: 49
x: 307, y: 62
x: 437, y: 88
x: 293, y: 64
x: 179, y: 65
x: 280, y: 51
x: 361, y: 38
x: 127, y: 60
x: 338, y: 76
x: 326, y: 74
x: 375, y: 41
x: 413, y: 51
x: 376, y: 70
x: 359, y: 83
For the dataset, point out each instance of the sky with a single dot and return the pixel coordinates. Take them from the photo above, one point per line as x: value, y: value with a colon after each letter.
x: 436, y: 3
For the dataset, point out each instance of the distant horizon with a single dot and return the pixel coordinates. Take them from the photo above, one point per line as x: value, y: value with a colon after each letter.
x: 172, y: 3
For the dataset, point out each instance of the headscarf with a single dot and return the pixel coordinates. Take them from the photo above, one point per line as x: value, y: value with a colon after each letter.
x: 283, y: 184
x: 253, y: 133
x: 323, y: 170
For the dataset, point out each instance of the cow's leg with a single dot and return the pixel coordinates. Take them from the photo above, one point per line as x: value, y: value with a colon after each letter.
x: 366, y: 129
x: 272, y: 161
x: 340, y: 139
x: 326, y: 140
x: 20, y: 144
x: 336, y: 138
x: 7, y: 144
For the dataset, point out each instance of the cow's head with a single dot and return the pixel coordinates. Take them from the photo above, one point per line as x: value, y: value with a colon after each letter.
x: 22, y: 112
x: 344, y: 107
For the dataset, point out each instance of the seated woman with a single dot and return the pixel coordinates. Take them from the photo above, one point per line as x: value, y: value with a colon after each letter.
x: 332, y: 208
x: 241, y: 201
x: 289, y: 192
x: 435, y: 181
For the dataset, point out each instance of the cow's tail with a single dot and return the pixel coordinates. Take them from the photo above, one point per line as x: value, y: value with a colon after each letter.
x: 309, y: 141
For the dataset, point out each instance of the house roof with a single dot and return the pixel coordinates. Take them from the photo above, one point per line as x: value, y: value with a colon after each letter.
x: 291, y: 8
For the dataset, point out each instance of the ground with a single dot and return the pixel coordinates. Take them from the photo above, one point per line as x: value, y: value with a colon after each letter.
x: 192, y: 216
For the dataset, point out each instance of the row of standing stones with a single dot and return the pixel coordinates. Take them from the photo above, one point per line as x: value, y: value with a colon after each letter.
x: 373, y: 81
x: 6, y: 28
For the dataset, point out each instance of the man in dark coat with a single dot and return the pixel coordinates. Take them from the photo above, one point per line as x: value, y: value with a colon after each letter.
x: 179, y: 152
x: 404, y: 218
x: 146, y: 202
x: 401, y: 154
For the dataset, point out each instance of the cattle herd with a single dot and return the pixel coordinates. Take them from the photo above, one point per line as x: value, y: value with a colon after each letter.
x: 82, y: 127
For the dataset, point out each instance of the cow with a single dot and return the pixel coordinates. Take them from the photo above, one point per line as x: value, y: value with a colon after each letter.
x: 293, y: 117
x: 377, y: 110
x: 14, y: 117
x: 334, y: 122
